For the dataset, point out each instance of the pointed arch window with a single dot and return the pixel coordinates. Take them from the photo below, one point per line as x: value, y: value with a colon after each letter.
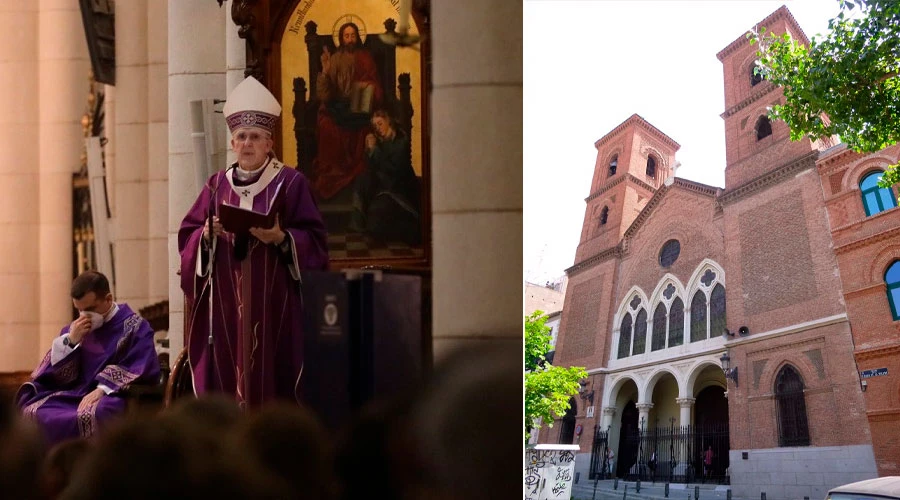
x: 613, y: 164
x: 698, y: 317
x: 625, y: 337
x: 793, y: 428
x: 640, y: 333
x: 659, y: 328
x: 892, y: 280
x: 876, y: 199
x: 604, y: 215
x: 763, y: 128
x: 651, y: 166
x: 676, y: 323
x: 717, y: 310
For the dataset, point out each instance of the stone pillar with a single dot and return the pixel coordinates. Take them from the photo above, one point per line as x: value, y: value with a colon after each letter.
x: 644, y: 414
x: 19, y: 216
x: 63, y: 70
x: 158, y: 149
x: 131, y: 217
x: 235, y: 61
x: 685, y: 404
x: 196, y: 71
x: 608, y: 413
x: 476, y: 187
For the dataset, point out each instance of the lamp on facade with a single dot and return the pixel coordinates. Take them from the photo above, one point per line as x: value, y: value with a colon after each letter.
x: 585, y: 396
x: 730, y: 373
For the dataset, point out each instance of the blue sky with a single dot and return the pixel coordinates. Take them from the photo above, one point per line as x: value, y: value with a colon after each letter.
x: 589, y: 65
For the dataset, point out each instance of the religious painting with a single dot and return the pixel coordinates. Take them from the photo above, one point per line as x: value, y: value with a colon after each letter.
x: 353, y: 124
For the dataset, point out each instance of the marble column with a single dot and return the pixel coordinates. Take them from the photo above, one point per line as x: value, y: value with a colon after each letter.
x: 20, y: 343
x: 235, y: 62
x: 476, y: 187
x: 132, y: 204
x: 158, y: 152
x: 644, y: 414
x: 63, y: 68
x: 196, y: 71
x: 609, y: 412
x: 685, y: 404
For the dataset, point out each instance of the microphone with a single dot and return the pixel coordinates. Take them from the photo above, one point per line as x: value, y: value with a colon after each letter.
x: 210, y: 212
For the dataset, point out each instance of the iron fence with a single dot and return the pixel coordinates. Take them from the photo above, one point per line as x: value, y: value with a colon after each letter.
x: 675, y: 454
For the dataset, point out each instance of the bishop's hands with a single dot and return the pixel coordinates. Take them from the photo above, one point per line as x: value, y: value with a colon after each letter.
x: 274, y: 235
x: 217, y: 228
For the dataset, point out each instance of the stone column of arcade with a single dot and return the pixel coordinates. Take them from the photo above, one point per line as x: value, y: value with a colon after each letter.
x: 644, y: 414
x: 685, y: 404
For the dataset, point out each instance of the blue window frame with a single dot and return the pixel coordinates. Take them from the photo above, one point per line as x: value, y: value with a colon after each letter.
x: 874, y: 198
x: 892, y: 280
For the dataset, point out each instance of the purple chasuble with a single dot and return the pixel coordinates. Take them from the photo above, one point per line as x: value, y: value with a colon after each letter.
x: 117, y: 354
x: 257, y: 306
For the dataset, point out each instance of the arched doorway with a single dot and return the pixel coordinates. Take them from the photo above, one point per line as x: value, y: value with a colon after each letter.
x: 711, y: 424
x: 629, y: 439
x: 567, y: 429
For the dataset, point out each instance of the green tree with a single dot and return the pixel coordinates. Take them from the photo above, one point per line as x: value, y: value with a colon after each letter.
x: 846, y: 83
x: 547, y: 387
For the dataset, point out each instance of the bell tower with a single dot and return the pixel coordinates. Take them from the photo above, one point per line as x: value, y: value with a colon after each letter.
x: 633, y: 162
x: 754, y: 145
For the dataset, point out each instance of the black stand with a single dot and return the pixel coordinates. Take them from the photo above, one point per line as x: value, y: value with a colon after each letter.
x: 211, y: 256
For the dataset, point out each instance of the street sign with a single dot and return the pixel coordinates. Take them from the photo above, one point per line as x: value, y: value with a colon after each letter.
x: 877, y: 372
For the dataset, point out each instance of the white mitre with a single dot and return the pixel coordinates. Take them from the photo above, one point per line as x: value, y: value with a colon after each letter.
x: 251, y: 105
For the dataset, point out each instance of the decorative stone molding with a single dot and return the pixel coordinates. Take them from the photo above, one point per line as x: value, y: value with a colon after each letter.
x: 878, y: 352
x: 615, y: 251
x: 685, y: 402
x: 768, y: 179
x: 767, y: 88
x: 609, y: 411
x: 636, y: 119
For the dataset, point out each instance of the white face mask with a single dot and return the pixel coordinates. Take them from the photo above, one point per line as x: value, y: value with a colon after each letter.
x: 96, y: 319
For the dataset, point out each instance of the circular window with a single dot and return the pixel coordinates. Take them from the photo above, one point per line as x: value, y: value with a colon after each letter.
x: 669, y: 253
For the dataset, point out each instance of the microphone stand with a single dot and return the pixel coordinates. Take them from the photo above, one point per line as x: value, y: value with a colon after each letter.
x: 211, y: 253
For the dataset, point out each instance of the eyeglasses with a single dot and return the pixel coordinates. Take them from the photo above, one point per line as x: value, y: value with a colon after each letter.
x: 251, y: 136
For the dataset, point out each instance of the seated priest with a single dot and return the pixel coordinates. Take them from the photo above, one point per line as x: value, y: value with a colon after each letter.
x: 108, y: 347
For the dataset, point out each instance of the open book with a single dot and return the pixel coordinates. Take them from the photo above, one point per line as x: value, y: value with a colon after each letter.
x: 361, y: 97
x: 235, y: 219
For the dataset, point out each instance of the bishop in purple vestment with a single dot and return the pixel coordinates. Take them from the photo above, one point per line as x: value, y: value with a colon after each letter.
x: 74, y: 390
x: 254, y: 277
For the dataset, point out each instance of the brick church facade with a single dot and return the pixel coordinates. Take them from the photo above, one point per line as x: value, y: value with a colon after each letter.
x: 789, y: 274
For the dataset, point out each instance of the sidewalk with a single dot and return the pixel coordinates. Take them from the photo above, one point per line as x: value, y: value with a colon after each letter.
x: 585, y: 490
